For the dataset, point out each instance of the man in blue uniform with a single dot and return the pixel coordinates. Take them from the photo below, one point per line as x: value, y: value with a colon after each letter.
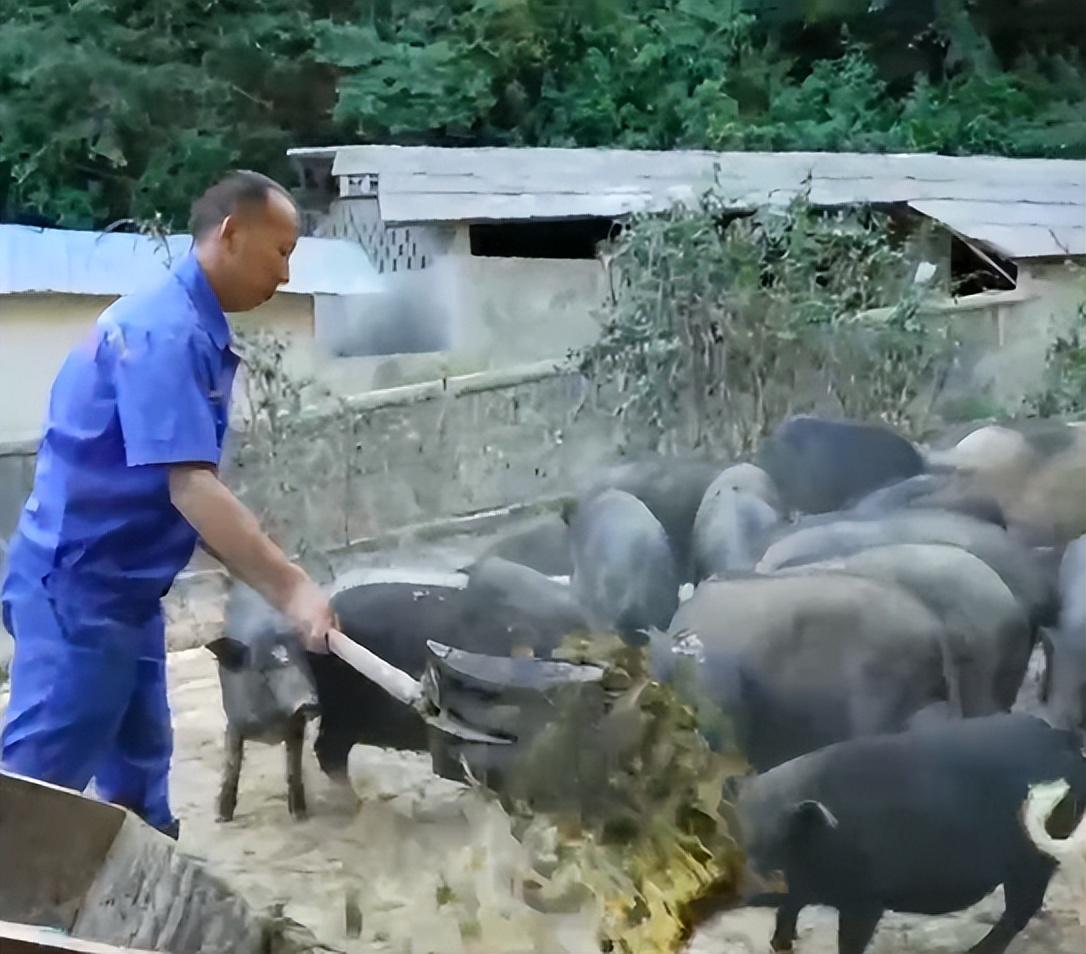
x: 126, y: 482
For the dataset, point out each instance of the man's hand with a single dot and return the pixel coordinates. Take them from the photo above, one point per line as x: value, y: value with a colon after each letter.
x: 309, y: 610
x: 231, y: 532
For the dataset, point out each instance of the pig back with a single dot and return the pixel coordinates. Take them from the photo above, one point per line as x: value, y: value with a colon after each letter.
x: 801, y: 662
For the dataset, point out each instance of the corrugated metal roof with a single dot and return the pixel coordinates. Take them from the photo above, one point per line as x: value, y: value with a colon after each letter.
x: 34, y: 260
x: 1020, y: 230
x: 980, y: 197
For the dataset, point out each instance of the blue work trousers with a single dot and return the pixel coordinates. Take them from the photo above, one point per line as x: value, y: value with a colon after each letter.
x: 88, y: 701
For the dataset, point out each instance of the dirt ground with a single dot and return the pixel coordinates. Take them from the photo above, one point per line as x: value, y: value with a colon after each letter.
x: 402, y: 842
x: 408, y: 822
x: 392, y: 848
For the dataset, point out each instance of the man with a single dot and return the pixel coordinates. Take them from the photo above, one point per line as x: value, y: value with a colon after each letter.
x: 126, y: 480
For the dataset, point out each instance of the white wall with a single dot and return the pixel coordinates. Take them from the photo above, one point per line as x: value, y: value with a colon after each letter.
x: 36, y: 334
x: 409, y: 313
x: 413, y: 313
x: 461, y: 315
x: 516, y: 310
x: 1021, y: 331
x: 445, y: 311
x: 38, y: 331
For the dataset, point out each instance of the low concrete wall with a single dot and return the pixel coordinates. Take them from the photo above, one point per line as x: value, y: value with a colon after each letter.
x: 423, y: 460
x: 441, y: 449
x: 411, y: 457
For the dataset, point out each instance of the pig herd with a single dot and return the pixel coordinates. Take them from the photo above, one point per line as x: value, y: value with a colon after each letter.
x: 862, y: 610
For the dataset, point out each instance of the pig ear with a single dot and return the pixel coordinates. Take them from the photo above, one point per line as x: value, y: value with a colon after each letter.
x: 230, y: 653
x: 810, y: 816
x: 1048, y: 648
x: 568, y: 509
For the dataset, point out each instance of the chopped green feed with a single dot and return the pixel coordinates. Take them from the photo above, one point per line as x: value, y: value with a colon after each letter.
x: 632, y: 796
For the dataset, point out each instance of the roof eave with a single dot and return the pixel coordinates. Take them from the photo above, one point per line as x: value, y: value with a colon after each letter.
x: 313, y: 152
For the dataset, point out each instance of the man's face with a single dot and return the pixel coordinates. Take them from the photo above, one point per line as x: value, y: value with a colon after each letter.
x: 259, y: 244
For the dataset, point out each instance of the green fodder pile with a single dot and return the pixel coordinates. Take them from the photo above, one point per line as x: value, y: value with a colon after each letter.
x: 636, y: 796
x: 612, y: 835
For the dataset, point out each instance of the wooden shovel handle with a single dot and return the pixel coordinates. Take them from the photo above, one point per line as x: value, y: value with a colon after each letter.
x: 395, y: 682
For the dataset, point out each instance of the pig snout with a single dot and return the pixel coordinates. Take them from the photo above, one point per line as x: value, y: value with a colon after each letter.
x: 293, y: 694
x: 286, y: 695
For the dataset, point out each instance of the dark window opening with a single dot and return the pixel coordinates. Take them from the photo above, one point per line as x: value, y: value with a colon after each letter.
x: 973, y: 270
x: 561, y: 238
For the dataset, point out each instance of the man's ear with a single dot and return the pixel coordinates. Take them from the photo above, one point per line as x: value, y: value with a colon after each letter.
x: 810, y: 817
x: 231, y: 654
x: 228, y: 230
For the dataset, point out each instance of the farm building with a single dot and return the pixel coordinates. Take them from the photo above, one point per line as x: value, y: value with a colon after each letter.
x: 491, y: 253
x: 54, y: 283
x: 423, y: 263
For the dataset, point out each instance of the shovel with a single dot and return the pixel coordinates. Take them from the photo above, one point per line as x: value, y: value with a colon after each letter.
x: 479, y: 709
x: 403, y: 688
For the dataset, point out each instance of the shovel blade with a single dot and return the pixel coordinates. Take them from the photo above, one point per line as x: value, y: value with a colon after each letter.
x: 489, y: 708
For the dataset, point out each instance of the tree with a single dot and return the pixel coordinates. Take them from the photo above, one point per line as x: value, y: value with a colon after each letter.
x: 112, y: 109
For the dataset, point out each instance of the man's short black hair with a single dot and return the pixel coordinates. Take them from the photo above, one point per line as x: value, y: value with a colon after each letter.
x: 239, y: 188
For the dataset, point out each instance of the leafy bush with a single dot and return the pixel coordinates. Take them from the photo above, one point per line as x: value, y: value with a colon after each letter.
x: 720, y: 325
x: 279, y: 429
x: 1063, y: 391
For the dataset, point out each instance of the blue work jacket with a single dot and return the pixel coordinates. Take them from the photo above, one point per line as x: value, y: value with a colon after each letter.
x: 150, y: 386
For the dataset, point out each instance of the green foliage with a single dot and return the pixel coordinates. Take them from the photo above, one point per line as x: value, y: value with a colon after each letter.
x: 844, y: 105
x: 111, y: 109
x: 721, y: 327
x: 1063, y: 391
